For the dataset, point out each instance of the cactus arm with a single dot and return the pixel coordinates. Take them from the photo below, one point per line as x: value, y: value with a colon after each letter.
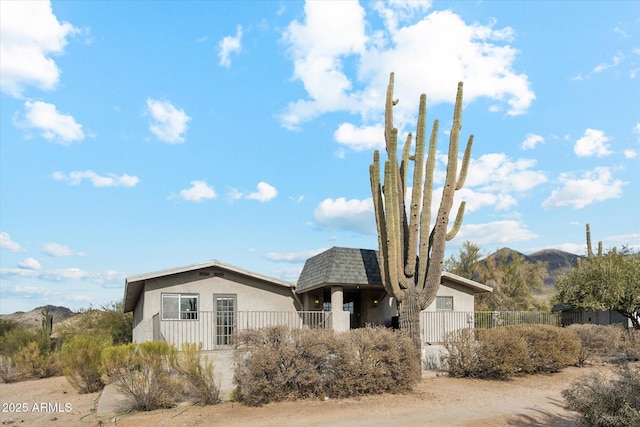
x: 416, y: 191
x: 465, y: 164
x: 457, y: 223
x: 392, y: 243
x: 378, y: 205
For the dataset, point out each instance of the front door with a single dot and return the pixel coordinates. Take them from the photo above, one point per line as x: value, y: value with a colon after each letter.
x: 353, y: 306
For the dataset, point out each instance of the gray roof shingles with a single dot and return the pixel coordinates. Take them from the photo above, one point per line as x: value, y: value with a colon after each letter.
x: 347, y: 266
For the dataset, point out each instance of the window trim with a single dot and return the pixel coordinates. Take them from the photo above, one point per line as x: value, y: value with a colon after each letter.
x: 444, y: 298
x: 181, y: 315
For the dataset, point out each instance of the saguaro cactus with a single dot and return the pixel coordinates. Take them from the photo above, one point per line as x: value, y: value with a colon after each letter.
x: 411, y: 252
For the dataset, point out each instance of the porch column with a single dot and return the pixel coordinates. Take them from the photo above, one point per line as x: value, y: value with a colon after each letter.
x: 340, y: 317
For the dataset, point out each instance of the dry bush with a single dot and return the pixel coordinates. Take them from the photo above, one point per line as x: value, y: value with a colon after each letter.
x: 144, y: 373
x: 374, y: 360
x: 596, y: 341
x: 277, y: 363
x: 81, y: 358
x: 550, y: 348
x: 631, y: 344
x: 503, y: 352
x: 9, y: 373
x: 607, y: 402
x: 31, y: 361
x: 198, y: 373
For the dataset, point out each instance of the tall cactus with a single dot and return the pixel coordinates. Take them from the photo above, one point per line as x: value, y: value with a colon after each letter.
x: 412, y: 254
x: 590, y: 253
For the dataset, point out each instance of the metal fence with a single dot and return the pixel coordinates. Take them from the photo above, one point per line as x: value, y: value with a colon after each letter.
x: 434, y: 325
x: 214, y: 331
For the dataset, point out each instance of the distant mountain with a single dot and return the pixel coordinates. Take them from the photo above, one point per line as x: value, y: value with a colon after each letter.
x: 33, y: 318
x: 557, y: 263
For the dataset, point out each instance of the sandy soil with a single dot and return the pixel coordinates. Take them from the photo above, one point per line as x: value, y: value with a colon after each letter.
x: 437, y: 401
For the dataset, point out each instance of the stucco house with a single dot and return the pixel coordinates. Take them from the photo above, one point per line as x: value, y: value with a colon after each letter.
x: 207, y: 302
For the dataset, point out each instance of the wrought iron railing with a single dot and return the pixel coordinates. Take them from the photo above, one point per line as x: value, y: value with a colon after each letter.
x: 434, y: 325
x: 215, y: 332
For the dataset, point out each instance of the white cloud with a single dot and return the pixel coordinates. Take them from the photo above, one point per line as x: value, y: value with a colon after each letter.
x: 342, y: 214
x: 531, y: 141
x: 594, y: 186
x: 168, y: 123
x: 593, y: 143
x: 360, y: 138
x: 615, y: 61
x: 8, y: 244
x: 198, y: 192
x: 229, y: 45
x: 333, y: 33
x: 57, y: 250
x: 293, y: 257
x: 497, y: 172
x: 265, y: 192
x: 30, y: 264
x: 29, y: 34
x: 110, y: 180
x: 630, y: 154
x: 493, y: 233
x: 53, y: 125
x: 636, y: 130
x: 107, y: 278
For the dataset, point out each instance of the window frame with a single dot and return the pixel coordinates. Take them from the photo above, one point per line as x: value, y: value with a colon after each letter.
x: 180, y: 314
x: 444, y: 298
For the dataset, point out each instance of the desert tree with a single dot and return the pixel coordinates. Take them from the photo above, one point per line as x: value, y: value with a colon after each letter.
x: 609, y: 280
x: 411, y: 251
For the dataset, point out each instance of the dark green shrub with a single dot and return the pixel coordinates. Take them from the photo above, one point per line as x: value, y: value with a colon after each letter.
x: 198, y: 373
x: 278, y: 363
x: 607, y: 402
x: 144, y: 372
x: 596, y: 341
x: 17, y: 337
x: 81, y: 358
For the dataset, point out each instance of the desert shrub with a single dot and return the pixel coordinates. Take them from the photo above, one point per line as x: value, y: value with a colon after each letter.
x: 373, y: 360
x: 110, y: 319
x: 81, y: 358
x: 9, y: 373
x: 503, y: 352
x: 198, y: 373
x: 17, y: 337
x: 596, y: 341
x: 461, y: 358
x: 31, y: 361
x: 144, y: 372
x: 550, y: 348
x: 631, y: 344
x: 607, y: 401
x: 277, y: 363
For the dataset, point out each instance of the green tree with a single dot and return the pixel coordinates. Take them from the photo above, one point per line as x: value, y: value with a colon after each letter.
x: 515, y: 282
x: 610, y: 281
x: 464, y: 262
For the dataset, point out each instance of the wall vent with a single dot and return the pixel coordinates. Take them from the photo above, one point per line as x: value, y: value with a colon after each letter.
x: 204, y: 274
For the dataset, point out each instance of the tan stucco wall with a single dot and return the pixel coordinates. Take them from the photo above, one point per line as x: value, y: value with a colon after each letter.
x: 251, y: 295
x: 462, y: 296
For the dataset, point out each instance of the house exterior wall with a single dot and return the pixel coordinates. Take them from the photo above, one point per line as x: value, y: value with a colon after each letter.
x: 251, y: 295
x: 463, y: 297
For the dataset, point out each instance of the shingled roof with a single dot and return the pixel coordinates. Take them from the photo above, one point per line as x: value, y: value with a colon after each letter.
x: 357, y: 267
x: 341, y: 266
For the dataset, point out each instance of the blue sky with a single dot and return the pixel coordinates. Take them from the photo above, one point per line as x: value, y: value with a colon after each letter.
x: 140, y: 136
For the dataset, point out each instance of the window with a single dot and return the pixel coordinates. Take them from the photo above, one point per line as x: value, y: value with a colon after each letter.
x: 179, y: 307
x: 225, y: 318
x: 444, y: 303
